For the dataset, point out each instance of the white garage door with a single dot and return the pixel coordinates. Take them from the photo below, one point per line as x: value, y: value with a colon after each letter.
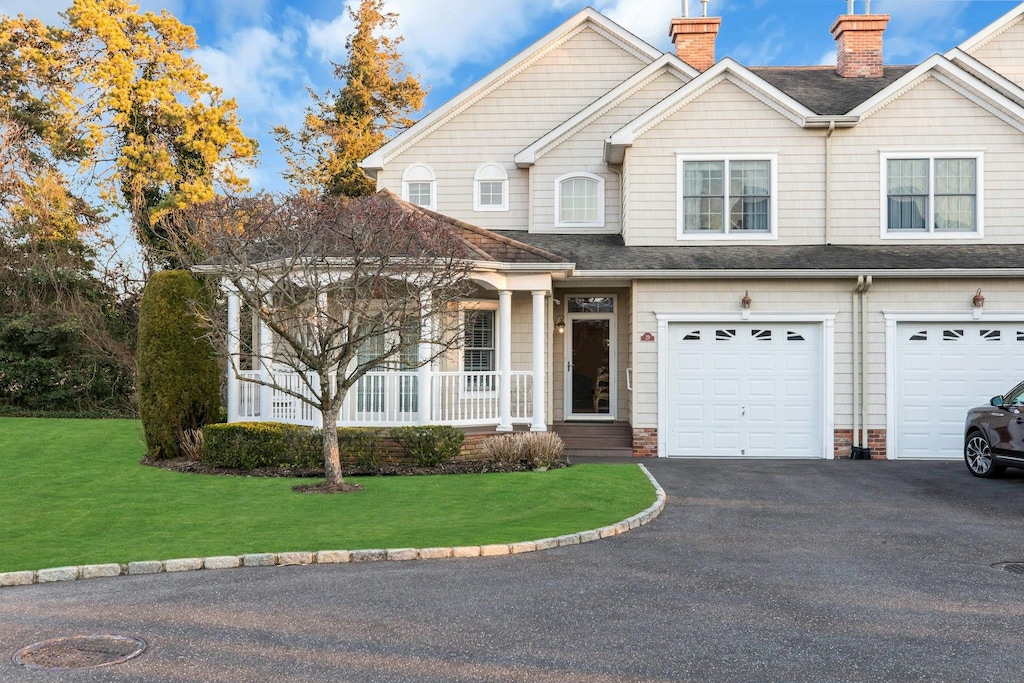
x: 942, y: 369
x: 744, y: 390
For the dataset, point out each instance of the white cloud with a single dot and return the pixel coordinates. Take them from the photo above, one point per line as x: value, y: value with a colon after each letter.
x: 256, y: 67
x: 648, y: 19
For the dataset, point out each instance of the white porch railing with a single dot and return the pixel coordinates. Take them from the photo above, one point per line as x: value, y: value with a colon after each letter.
x: 392, y: 399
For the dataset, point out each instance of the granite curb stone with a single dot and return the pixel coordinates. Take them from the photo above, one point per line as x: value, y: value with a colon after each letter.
x: 53, y: 574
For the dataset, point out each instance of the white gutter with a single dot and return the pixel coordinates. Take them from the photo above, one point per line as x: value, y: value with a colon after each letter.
x: 828, y: 181
x: 895, y: 274
x: 865, y: 442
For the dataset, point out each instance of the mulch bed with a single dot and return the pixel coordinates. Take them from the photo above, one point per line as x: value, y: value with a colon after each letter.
x: 383, y: 469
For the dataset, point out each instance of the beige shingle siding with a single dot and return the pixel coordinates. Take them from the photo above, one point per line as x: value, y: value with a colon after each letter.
x: 930, y: 117
x: 1005, y: 53
x: 584, y: 151
x: 509, y: 119
x: 725, y: 120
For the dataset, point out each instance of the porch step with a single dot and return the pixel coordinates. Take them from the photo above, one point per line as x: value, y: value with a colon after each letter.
x: 612, y: 439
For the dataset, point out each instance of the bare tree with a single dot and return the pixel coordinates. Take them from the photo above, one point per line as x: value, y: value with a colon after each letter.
x: 345, y: 286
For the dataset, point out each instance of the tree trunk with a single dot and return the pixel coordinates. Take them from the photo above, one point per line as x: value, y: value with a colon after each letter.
x: 332, y: 460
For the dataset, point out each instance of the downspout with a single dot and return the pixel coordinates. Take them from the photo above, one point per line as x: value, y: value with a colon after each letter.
x: 855, y: 448
x: 864, y: 367
x: 828, y: 181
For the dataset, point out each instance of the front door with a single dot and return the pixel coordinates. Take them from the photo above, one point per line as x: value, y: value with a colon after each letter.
x: 590, y: 347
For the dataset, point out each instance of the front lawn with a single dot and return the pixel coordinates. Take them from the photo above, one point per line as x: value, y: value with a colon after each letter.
x: 72, y: 492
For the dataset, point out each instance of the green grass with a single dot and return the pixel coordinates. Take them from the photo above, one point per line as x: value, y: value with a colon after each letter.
x: 72, y: 492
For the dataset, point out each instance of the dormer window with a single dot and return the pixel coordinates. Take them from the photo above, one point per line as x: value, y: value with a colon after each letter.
x: 490, y: 188
x: 579, y: 201
x: 419, y: 186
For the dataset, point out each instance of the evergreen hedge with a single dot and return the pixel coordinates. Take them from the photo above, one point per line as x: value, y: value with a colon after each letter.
x: 179, y: 381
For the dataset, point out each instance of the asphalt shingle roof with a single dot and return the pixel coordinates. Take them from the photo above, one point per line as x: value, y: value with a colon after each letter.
x: 607, y: 252
x: 822, y: 90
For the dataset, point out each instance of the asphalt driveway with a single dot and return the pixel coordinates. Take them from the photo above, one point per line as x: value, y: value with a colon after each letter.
x: 756, y: 571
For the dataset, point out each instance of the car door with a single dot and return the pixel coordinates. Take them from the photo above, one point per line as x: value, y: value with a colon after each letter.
x: 1008, y: 426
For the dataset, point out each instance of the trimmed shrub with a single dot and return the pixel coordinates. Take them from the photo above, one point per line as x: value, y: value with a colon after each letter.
x: 430, y: 445
x: 362, y: 444
x: 179, y: 383
x: 506, y: 449
x: 251, y: 445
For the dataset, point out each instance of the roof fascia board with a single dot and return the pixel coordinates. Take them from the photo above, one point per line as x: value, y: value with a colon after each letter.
x: 956, y: 78
x: 511, y: 68
x: 902, y: 273
x: 994, y: 77
x: 726, y: 68
x: 993, y: 30
x: 667, y: 63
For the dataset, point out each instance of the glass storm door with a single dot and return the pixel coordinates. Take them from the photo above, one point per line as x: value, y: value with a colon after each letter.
x: 591, y: 364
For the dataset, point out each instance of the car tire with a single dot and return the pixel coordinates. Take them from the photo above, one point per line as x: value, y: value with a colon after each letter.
x: 978, y: 457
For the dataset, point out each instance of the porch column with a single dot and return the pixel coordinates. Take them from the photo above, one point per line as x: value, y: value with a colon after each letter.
x: 539, y: 380
x: 505, y: 361
x: 266, y: 358
x: 234, y: 345
x: 425, y: 372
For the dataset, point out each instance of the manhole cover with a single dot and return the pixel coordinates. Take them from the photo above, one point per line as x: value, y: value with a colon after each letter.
x: 79, y: 652
x: 1012, y: 567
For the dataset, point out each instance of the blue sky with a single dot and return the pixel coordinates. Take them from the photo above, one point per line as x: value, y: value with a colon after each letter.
x: 265, y: 53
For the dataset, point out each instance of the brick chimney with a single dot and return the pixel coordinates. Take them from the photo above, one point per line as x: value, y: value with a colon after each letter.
x: 859, y: 44
x: 695, y: 40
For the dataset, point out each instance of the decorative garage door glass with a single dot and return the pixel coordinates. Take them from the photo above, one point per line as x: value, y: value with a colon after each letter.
x: 941, y: 370
x: 744, y: 390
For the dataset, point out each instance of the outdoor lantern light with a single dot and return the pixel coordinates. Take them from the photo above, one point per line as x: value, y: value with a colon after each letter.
x: 560, y: 325
x: 746, y: 300
x: 978, y: 301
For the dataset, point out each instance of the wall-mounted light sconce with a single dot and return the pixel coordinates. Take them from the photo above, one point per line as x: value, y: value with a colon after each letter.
x: 978, y: 303
x: 745, y: 305
x: 560, y: 325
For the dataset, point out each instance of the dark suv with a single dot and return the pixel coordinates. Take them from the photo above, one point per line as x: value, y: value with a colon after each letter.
x: 994, y: 435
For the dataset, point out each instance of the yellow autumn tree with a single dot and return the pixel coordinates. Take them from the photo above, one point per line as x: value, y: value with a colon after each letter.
x: 376, y: 100
x: 142, y: 102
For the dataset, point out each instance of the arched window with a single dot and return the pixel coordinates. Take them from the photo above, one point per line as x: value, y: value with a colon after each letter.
x: 419, y: 186
x: 579, y: 201
x: 490, y: 188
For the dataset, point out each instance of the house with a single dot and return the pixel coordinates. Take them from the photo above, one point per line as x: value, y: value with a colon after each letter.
x: 731, y: 260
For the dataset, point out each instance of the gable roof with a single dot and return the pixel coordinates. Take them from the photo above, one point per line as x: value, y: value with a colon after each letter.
x: 982, y: 72
x: 667, y: 63
x: 953, y: 76
x: 993, y: 30
x: 587, y: 18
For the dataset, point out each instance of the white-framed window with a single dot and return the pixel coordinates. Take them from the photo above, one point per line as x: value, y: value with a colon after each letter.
x: 727, y: 196
x: 579, y: 201
x: 419, y: 186
x: 479, y: 353
x: 934, y: 194
x: 490, y: 188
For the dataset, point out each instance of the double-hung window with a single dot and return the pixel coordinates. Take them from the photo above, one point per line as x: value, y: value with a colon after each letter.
x: 931, y: 195
x: 723, y: 197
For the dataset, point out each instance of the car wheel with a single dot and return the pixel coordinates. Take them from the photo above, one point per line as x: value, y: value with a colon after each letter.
x: 978, y: 456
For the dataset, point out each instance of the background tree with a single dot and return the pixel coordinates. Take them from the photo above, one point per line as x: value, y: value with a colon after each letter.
x: 343, y: 285
x: 376, y: 100
x: 179, y: 382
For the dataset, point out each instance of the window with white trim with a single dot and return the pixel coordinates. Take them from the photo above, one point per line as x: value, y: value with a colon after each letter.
x: 731, y: 196
x: 579, y: 201
x: 932, y: 195
x: 490, y: 188
x: 479, y: 348
x: 419, y: 186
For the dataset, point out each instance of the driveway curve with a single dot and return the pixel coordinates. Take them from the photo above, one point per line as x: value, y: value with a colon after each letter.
x: 755, y: 571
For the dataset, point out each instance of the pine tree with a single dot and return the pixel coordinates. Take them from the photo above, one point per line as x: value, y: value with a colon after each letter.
x: 377, y: 100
